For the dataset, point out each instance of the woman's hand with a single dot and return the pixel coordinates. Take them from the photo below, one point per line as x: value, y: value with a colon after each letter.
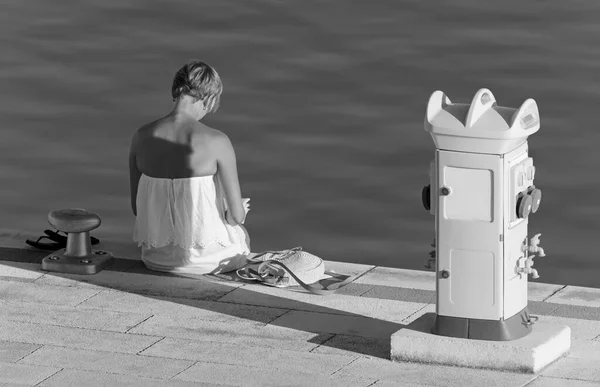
x: 246, y: 204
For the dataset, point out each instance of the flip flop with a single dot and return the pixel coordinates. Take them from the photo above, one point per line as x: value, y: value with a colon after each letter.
x: 45, y: 246
x: 55, y: 236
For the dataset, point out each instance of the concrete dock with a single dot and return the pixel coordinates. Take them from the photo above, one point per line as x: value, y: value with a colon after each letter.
x: 129, y: 326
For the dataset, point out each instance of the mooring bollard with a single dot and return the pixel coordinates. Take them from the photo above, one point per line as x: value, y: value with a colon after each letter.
x: 77, y: 257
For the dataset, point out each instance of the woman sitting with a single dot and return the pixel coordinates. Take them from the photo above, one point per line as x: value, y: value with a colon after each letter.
x: 185, y: 191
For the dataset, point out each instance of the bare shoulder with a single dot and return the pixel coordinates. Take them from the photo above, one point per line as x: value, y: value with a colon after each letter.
x: 144, y: 129
x: 136, y: 136
x: 212, y: 136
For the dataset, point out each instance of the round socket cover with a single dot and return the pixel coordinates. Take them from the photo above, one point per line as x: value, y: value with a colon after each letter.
x: 536, y: 195
x: 524, y: 205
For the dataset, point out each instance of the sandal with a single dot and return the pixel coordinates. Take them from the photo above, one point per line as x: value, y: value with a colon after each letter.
x: 55, y: 236
x: 45, y: 246
x: 58, y: 241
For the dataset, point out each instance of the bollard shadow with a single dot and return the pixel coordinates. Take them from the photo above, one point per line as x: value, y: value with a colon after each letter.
x: 333, y: 330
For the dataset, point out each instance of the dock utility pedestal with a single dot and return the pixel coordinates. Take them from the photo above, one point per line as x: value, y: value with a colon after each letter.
x: 482, y: 195
x: 78, y: 257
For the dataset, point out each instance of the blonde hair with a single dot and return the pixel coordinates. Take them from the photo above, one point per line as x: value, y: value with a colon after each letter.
x: 200, y: 81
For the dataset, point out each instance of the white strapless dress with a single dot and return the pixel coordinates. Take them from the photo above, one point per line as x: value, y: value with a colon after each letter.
x: 181, y: 227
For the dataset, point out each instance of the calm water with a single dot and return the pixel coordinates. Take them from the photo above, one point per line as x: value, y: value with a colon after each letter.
x: 324, y: 102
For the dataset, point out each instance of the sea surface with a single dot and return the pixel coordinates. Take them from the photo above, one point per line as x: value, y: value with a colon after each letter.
x: 324, y: 102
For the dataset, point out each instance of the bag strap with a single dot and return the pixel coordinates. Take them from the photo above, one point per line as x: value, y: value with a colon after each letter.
x: 266, y: 279
x: 280, y: 253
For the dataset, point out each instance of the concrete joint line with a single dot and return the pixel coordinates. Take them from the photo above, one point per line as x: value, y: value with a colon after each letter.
x: 339, y: 369
x: 276, y: 317
x: 232, y: 289
x: 35, y: 350
x: 407, y: 317
x: 558, y: 290
x: 367, y: 291
x: 366, y: 272
x: 93, y: 295
x: 157, y: 341
x: 187, y: 368
x: 42, y: 381
x: 133, y: 326
x: 73, y: 327
x: 531, y: 381
x: 323, y: 343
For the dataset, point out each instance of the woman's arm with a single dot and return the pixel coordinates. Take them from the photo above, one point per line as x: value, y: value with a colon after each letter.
x: 134, y: 174
x: 227, y: 170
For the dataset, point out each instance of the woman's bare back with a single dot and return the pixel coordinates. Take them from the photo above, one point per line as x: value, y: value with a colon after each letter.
x: 172, y: 150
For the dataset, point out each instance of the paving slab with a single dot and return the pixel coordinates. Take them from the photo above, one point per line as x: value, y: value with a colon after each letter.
x: 40, y: 313
x: 577, y: 295
x: 160, y: 285
x: 570, y: 368
x: 546, y: 343
x: 430, y: 375
x: 540, y: 291
x: 31, y: 256
x: 580, y: 329
x: 576, y: 311
x: 354, y: 289
x: 124, y: 250
x: 23, y: 332
x: 403, y: 278
x: 538, y: 307
x: 245, y: 355
x: 34, y: 292
x: 252, y: 376
x: 79, y: 378
x: 585, y: 349
x: 180, y: 308
x: 429, y: 308
x: 353, y: 345
x: 24, y: 270
x: 389, y: 310
x: 24, y: 373
x: 338, y: 324
x: 118, y: 363
x: 233, y: 332
x: 547, y: 381
x: 400, y: 294
x: 11, y: 351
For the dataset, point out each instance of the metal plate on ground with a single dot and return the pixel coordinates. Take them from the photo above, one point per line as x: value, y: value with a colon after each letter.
x: 86, y: 265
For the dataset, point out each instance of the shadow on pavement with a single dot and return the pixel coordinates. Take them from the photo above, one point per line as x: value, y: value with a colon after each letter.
x: 372, y: 338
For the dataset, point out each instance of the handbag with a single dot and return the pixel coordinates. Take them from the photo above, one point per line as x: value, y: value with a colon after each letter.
x: 292, y: 267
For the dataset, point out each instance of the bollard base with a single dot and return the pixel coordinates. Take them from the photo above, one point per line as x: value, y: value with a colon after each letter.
x: 529, y: 354
x: 93, y: 263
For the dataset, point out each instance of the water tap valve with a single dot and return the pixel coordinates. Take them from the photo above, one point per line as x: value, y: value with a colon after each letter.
x: 534, y: 246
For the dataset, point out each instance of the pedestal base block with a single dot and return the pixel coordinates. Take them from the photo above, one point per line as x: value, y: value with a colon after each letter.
x: 546, y: 343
